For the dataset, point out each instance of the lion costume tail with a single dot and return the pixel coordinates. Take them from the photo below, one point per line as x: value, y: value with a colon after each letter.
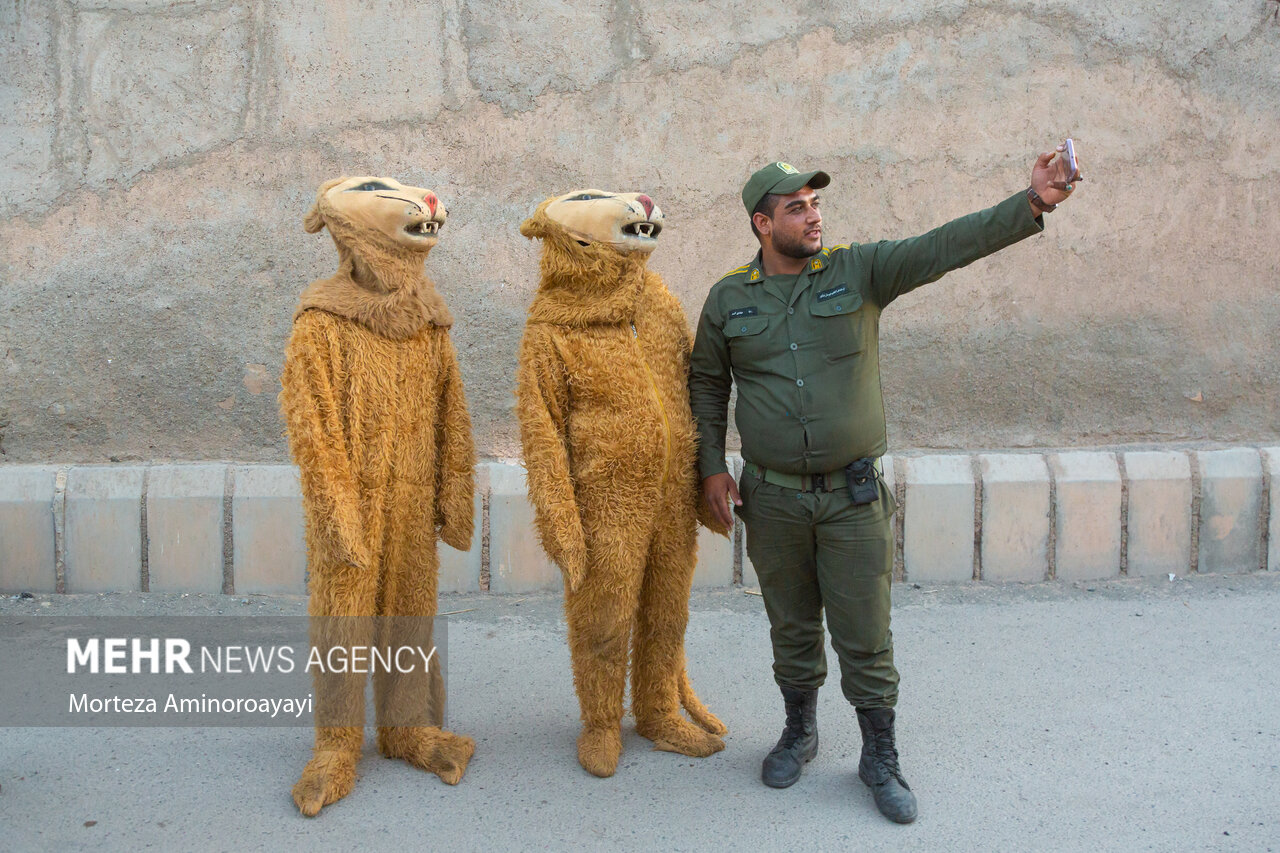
x: 696, y: 710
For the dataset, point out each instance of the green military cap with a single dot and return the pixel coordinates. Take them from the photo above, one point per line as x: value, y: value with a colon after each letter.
x: 780, y: 178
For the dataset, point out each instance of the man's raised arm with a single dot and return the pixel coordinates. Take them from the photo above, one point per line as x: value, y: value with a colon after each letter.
x: 900, y: 266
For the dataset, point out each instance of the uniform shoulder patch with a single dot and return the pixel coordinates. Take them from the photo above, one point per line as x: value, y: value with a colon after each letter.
x: 731, y: 273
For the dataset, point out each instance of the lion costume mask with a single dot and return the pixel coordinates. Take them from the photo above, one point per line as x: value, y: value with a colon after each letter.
x: 384, y: 231
x: 612, y: 467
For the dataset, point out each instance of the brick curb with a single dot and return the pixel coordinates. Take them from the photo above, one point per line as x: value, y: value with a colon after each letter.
x: 1028, y: 517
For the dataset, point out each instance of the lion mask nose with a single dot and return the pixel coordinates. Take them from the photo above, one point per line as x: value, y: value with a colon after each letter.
x: 648, y: 205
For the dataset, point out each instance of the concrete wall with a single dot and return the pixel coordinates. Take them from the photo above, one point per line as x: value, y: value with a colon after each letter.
x: 1073, y: 516
x: 156, y: 159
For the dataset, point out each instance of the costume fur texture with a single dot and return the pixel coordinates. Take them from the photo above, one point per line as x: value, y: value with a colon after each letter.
x: 378, y: 426
x: 609, y: 447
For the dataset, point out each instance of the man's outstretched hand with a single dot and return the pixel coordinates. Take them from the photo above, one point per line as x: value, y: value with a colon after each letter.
x: 717, y: 491
x: 1049, y: 177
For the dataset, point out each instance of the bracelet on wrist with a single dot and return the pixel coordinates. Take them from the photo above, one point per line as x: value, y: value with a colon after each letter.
x: 1039, y: 203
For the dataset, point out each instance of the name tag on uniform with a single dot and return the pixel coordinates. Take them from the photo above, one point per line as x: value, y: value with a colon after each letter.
x: 833, y: 292
x: 737, y: 313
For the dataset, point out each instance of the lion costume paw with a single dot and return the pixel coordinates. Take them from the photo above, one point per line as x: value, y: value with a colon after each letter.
x: 696, y: 710
x: 443, y: 753
x: 674, y: 733
x: 599, y: 750
x: 328, y: 777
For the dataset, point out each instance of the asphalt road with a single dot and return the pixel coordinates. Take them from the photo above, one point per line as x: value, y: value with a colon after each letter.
x: 1127, y: 716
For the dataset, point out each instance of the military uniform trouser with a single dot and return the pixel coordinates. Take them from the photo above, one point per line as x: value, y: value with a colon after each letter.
x: 816, y: 550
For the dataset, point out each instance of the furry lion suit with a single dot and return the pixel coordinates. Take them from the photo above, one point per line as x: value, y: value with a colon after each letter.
x: 378, y: 425
x: 609, y: 446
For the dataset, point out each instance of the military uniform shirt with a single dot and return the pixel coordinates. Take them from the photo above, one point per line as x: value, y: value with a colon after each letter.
x: 805, y: 350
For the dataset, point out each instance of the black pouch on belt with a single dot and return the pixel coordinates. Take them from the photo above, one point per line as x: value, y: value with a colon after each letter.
x: 862, y: 475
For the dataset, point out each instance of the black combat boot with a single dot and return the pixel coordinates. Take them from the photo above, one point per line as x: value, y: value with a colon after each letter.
x: 879, y: 766
x: 799, y: 742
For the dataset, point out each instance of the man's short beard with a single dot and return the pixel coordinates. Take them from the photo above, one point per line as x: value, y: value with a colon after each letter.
x: 794, y: 248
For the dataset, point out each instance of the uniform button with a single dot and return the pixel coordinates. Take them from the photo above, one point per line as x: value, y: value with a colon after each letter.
x: 791, y: 310
x: 743, y: 329
x: 799, y: 496
x: 838, y: 308
x: 807, y: 454
x: 793, y: 346
x: 804, y: 420
x: 800, y: 382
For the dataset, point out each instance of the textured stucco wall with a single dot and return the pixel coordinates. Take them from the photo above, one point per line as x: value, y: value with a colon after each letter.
x: 156, y: 159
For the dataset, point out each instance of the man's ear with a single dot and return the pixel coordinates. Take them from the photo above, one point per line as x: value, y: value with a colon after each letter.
x: 314, y: 220
x: 763, y: 223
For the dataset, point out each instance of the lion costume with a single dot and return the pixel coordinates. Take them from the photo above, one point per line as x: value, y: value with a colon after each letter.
x: 378, y: 426
x: 609, y: 446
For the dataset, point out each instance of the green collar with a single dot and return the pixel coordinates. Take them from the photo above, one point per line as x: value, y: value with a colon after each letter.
x: 755, y: 269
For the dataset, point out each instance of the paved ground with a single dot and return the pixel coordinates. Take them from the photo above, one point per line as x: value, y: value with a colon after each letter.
x: 1129, y: 715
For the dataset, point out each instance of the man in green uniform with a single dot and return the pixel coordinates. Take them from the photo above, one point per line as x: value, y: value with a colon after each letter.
x: 798, y: 329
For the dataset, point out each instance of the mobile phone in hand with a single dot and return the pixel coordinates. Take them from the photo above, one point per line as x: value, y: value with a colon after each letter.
x: 1069, y: 160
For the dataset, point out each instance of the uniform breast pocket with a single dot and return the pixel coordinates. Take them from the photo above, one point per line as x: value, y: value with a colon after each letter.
x: 838, y: 317
x: 746, y: 336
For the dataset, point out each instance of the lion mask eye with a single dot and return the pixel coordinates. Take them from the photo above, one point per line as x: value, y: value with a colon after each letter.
x: 371, y: 186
